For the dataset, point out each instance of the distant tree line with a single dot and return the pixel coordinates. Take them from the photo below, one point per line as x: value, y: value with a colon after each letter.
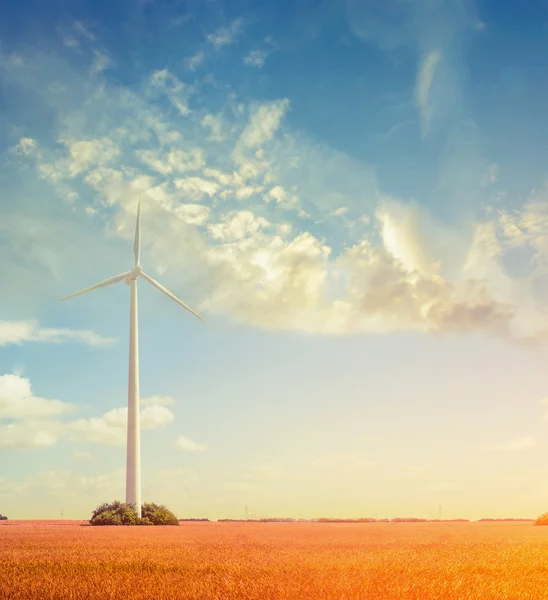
x: 498, y: 520
x: 3, y: 518
x: 395, y: 520
x: 361, y: 520
x: 268, y: 520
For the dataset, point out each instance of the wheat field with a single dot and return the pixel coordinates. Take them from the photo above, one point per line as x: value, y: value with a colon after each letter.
x: 270, y: 561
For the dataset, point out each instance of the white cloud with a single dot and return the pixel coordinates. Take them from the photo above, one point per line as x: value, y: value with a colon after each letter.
x: 158, y: 400
x: 36, y: 421
x: 215, y: 125
x: 195, y: 188
x: 425, y: 77
x: 101, y: 63
x: 187, y: 445
x: 263, y: 123
x: 87, y: 153
x: 226, y: 35
x: 175, y: 160
x: 111, y: 428
x: 277, y: 193
x: 18, y: 332
x: 245, y: 192
x: 406, y: 272
x: 237, y: 226
x: 155, y: 416
x: 284, y: 229
x: 25, y: 147
x: 22, y: 436
x: 402, y: 235
x: 525, y: 443
x: 193, y: 62
x: 528, y: 227
x: 177, y: 92
x: 17, y: 401
x: 256, y: 58
x: 193, y: 214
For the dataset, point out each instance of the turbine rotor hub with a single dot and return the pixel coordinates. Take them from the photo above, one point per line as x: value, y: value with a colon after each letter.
x: 133, y: 274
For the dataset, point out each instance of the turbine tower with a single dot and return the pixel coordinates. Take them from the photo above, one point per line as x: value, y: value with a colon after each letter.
x: 133, y: 460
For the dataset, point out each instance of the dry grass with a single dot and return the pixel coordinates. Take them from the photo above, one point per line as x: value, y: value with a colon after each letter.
x: 270, y: 561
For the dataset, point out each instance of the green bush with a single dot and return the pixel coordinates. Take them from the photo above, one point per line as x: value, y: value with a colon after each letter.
x: 120, y: 513
x: 117, y: 513
x: 158, y: 514
x: 542, y: 520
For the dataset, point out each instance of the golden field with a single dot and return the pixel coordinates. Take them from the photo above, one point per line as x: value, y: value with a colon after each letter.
x: 262, y: 561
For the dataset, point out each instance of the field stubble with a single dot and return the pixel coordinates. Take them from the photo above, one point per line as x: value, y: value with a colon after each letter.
x: 270, y: 561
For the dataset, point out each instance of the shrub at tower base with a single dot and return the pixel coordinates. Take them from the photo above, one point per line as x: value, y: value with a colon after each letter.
x: 120, y: 513
x: 542, y: 520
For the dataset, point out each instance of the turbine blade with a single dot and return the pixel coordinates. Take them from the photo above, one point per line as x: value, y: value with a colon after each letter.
x: 168, y: 293
x: 98, y: 285
x: 137, y: 242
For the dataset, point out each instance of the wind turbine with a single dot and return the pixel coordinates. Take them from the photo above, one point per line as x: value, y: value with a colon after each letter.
x: 133, y: 460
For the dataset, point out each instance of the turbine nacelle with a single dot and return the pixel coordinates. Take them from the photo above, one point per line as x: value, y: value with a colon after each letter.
x: 133, y: 274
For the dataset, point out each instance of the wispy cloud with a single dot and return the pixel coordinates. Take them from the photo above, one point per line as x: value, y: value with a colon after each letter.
x: 70, y: 41
x: 178, y: 21
x: 158, y: 400
x: 193, y: 62
x: 183, y: 443
x: 18, y: 332
x: 226, y: 35
x: 256, y: 58
x: 83, y: 30
x: 101, y: 62
x: 263, y: 123
x: 395, y: 128
x: 490, y: 176
x: 427, y: 71
x: 253, y: 200
x: 526, y: 443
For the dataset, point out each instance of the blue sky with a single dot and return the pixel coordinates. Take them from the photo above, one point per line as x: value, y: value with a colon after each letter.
x: 354, y: 196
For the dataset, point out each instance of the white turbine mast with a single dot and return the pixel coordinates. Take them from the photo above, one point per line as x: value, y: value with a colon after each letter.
x: 133, y: 464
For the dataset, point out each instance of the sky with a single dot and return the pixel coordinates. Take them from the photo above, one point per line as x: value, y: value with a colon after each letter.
x: 354, y: 196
